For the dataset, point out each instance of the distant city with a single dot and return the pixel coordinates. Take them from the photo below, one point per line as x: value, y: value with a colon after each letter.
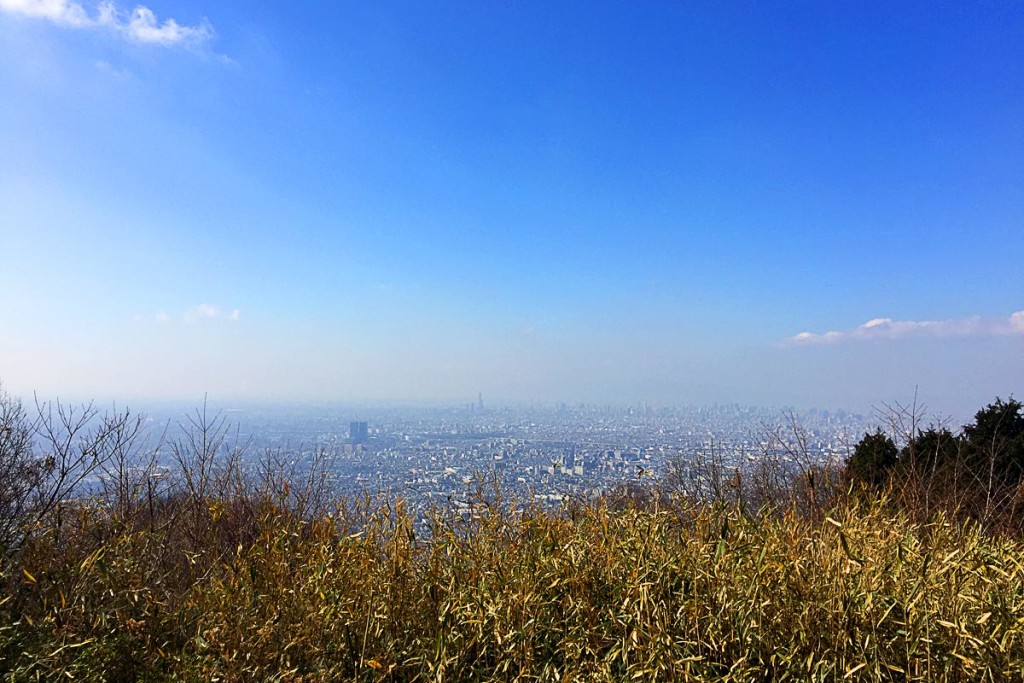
x: 546, y: 453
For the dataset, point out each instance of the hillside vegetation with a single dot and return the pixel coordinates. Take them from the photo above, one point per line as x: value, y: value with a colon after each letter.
x: 216, y: 572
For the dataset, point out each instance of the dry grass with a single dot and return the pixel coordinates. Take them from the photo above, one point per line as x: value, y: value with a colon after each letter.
x: 513, y: 593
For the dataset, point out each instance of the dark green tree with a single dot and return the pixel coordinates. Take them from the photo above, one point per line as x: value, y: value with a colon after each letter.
x: 873, y: 458
x: 996, y: 439
x: 932, y: 449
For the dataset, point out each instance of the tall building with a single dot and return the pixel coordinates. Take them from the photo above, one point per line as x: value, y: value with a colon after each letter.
x: 357, y: 432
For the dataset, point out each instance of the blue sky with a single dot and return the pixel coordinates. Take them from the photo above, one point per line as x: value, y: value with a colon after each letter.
x: 605, y: 202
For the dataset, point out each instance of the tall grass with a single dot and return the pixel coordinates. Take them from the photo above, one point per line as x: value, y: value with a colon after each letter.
x: 518, y: 593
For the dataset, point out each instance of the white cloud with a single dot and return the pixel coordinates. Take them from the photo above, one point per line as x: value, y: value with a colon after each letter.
x: 194, y: 315
x: 210, y: 312
x: 143, y: 27
x: 887, y: 328
x: 118, y: 74
x: 140, y: 26
x: 58, y: 11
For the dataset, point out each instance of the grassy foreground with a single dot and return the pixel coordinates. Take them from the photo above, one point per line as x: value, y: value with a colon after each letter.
x: 241, y: 591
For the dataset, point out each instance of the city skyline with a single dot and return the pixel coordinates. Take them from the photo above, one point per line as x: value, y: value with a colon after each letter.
x: 608, y: 203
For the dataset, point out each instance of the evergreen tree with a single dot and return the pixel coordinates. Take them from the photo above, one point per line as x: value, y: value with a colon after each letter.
x: 873, y: 457
x: 996, y: 439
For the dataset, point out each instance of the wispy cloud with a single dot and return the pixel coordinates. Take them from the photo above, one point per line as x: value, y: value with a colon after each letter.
x: 193, y: 316
x: 140, y: 25
x: 202, y: 312
x: 887, y: 328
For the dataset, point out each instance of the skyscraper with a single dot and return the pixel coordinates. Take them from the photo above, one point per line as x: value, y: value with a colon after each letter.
x: 357, y: 432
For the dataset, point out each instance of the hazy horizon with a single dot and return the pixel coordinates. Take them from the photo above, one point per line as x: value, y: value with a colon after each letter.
x: 603, y: 203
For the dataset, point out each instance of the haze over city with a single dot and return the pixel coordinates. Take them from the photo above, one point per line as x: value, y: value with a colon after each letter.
x: 770, y: 204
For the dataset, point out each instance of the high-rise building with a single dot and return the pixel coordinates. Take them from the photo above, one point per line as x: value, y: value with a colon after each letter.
x: 358, y: 432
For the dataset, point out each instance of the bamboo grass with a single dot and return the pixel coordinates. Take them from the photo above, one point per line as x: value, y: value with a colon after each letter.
x: 517, y: 593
